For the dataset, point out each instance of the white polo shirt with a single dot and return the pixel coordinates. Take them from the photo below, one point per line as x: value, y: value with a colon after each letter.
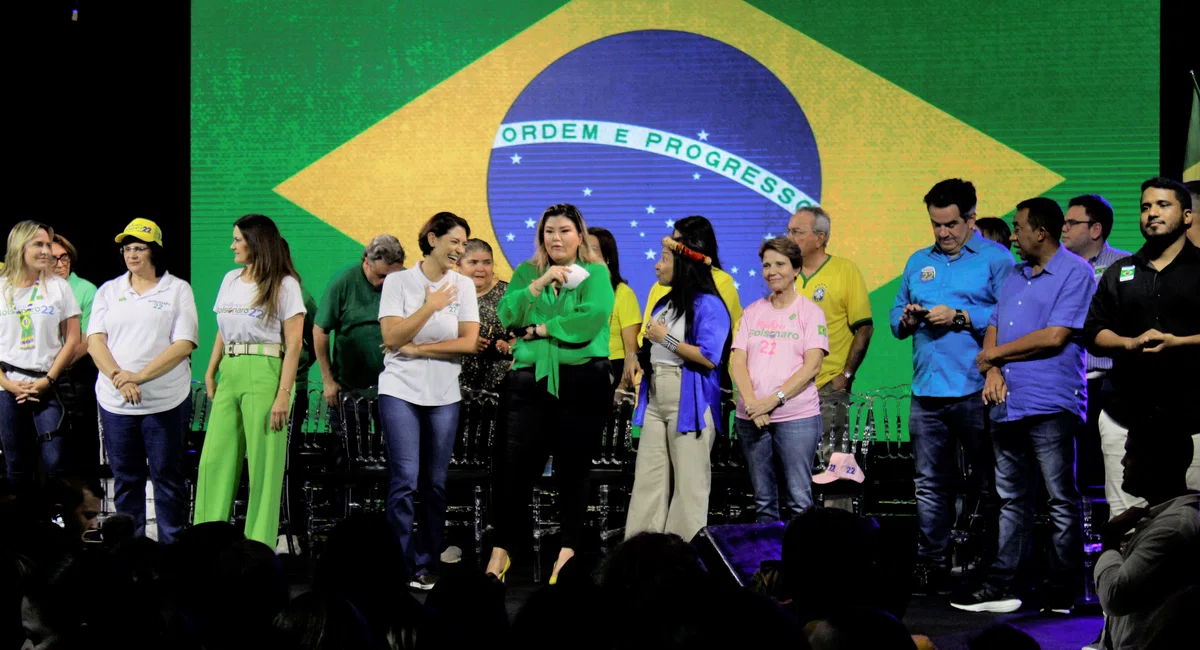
x: 425, y: 382
x: 241, y: 322
x: 53, y: 303
x: 139, y: 328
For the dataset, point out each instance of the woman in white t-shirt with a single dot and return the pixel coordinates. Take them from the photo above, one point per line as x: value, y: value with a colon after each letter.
x: 777, y: 352
x: 141, y: 335
x: 685, y: 343
x: 260, y: 322
x: 39, y: 329
x: 429, y: 316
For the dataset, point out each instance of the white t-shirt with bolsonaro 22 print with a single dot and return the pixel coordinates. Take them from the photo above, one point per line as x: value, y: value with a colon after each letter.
x: 239, y: 321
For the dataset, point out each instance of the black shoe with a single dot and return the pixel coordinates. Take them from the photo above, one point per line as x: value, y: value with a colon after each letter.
x: 931, y: 580
x: 985, y: 599
x: 424, y: 582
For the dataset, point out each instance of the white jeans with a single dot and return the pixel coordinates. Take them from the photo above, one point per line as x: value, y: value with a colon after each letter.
x: 666, y: 459
x: 1112, y: 445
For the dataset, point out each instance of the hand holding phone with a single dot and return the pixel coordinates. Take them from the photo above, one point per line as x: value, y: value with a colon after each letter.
x: 913, y: 315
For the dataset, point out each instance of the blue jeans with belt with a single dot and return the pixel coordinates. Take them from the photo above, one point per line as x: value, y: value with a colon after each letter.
x: 149, y: 446
x: 780, y: 450
x: 28, y: 429
x: 1042, y: 444
x: 420, y: 441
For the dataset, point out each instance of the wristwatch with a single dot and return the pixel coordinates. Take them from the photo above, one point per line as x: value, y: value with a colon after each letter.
x: 960, y: 319
x: 782, y: 397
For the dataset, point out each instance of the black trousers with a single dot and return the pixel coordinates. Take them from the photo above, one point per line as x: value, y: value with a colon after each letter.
x: 81, y: 428
x: 539, y: 425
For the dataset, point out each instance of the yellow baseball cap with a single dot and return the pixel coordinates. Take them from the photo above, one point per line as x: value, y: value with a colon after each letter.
x: 143, y: 229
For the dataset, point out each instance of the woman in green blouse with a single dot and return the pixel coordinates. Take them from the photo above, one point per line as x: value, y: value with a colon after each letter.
x: 560, y: 389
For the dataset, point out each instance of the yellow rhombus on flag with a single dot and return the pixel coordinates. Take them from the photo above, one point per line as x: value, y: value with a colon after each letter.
x: 867, y: 129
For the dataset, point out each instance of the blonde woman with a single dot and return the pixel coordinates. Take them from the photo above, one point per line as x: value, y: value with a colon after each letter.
x: 560, y: 387
x: 39, y: 331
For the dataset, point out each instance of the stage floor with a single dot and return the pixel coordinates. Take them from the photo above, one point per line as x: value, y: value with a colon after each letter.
x: 949, y: 628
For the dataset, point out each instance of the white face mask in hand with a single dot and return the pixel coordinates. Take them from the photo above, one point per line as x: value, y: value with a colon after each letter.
x: 575, y: 275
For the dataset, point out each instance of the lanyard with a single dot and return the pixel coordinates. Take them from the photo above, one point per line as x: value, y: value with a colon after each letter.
x: 26, y: 317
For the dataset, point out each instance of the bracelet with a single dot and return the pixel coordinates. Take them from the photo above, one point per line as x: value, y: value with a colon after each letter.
x: 286, y: 390
x: 671, y: 343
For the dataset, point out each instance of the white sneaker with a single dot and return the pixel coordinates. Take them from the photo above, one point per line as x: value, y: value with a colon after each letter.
x: 281, y: 545
x: 452, y: 555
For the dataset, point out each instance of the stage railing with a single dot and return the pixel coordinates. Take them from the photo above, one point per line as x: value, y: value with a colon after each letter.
x: 338, y: 458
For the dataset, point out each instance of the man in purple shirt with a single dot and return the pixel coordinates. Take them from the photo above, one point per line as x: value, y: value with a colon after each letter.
x: 1033, y: 364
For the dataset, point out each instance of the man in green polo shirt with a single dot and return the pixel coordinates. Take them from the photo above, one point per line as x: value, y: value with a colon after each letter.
x: 349, y: 311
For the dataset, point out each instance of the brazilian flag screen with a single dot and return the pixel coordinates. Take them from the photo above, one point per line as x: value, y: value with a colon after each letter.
x: 342, y: 120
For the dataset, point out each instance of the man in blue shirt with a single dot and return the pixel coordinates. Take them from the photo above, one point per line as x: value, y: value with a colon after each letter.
x: 947, y: 294
x: 1035, y: 387
x: 1088, y: 223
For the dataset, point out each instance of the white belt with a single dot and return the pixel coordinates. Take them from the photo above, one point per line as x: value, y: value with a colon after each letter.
x: 260, y: 349
x: 1096, y: 374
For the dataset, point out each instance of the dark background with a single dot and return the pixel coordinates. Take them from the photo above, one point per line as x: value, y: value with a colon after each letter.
x: 98, y: 124
x: 99, y: 120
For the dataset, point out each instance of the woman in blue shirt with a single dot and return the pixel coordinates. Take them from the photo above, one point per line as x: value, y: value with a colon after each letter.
x: 679, y: 402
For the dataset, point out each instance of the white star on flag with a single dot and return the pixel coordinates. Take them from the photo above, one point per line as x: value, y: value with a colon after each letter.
x: 670, y: 223
x: 587, y: 191
x: 510, y: 237
x: 733, y: 270
x: 768, y: 236
x: 641, y: 234
x: 737, y: 285
x: 633, y: 224
x: 696, y: 176
x: 650, y: 209
x: 516, y: 159
x: 649, y: 254
x: 703, y: 135
x: 529, y: 223
x: 752, y: 273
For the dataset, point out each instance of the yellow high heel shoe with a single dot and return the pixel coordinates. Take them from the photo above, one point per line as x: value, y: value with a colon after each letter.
x: 507, y: 566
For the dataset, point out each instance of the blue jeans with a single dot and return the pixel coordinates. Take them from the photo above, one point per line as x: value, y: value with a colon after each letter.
x: 420, y: 440
x: 937, y: 425
x: 134, y: 442
x: 1023, y: 447
x: 29, y: 428
x: 789, y: 448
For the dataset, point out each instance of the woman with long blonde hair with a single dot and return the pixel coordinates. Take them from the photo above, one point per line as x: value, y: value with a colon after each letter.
x: 260, y: 322
x: 39, y: 330
x: 560, y: 387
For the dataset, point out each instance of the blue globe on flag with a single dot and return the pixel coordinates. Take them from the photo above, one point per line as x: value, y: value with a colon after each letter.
x: 642, y: 129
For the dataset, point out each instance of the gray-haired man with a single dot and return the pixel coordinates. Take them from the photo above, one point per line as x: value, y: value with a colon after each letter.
x: 350, y: 307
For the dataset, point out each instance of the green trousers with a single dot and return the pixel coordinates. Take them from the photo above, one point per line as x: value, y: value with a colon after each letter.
x: 240, y: 427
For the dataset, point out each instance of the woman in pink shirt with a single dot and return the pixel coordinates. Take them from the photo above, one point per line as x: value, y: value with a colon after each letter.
x: 776, y: 353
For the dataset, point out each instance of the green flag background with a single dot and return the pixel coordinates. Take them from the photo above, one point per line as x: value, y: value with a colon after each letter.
x: 1072, y: 86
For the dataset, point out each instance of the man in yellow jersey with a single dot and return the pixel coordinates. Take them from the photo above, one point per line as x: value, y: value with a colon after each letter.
x: 837, y: 286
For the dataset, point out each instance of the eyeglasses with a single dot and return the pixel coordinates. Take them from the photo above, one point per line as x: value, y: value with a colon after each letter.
x: 1071, y: 223
x: 796, y: 232
x: 130, y: 250
x: 60, y: 259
